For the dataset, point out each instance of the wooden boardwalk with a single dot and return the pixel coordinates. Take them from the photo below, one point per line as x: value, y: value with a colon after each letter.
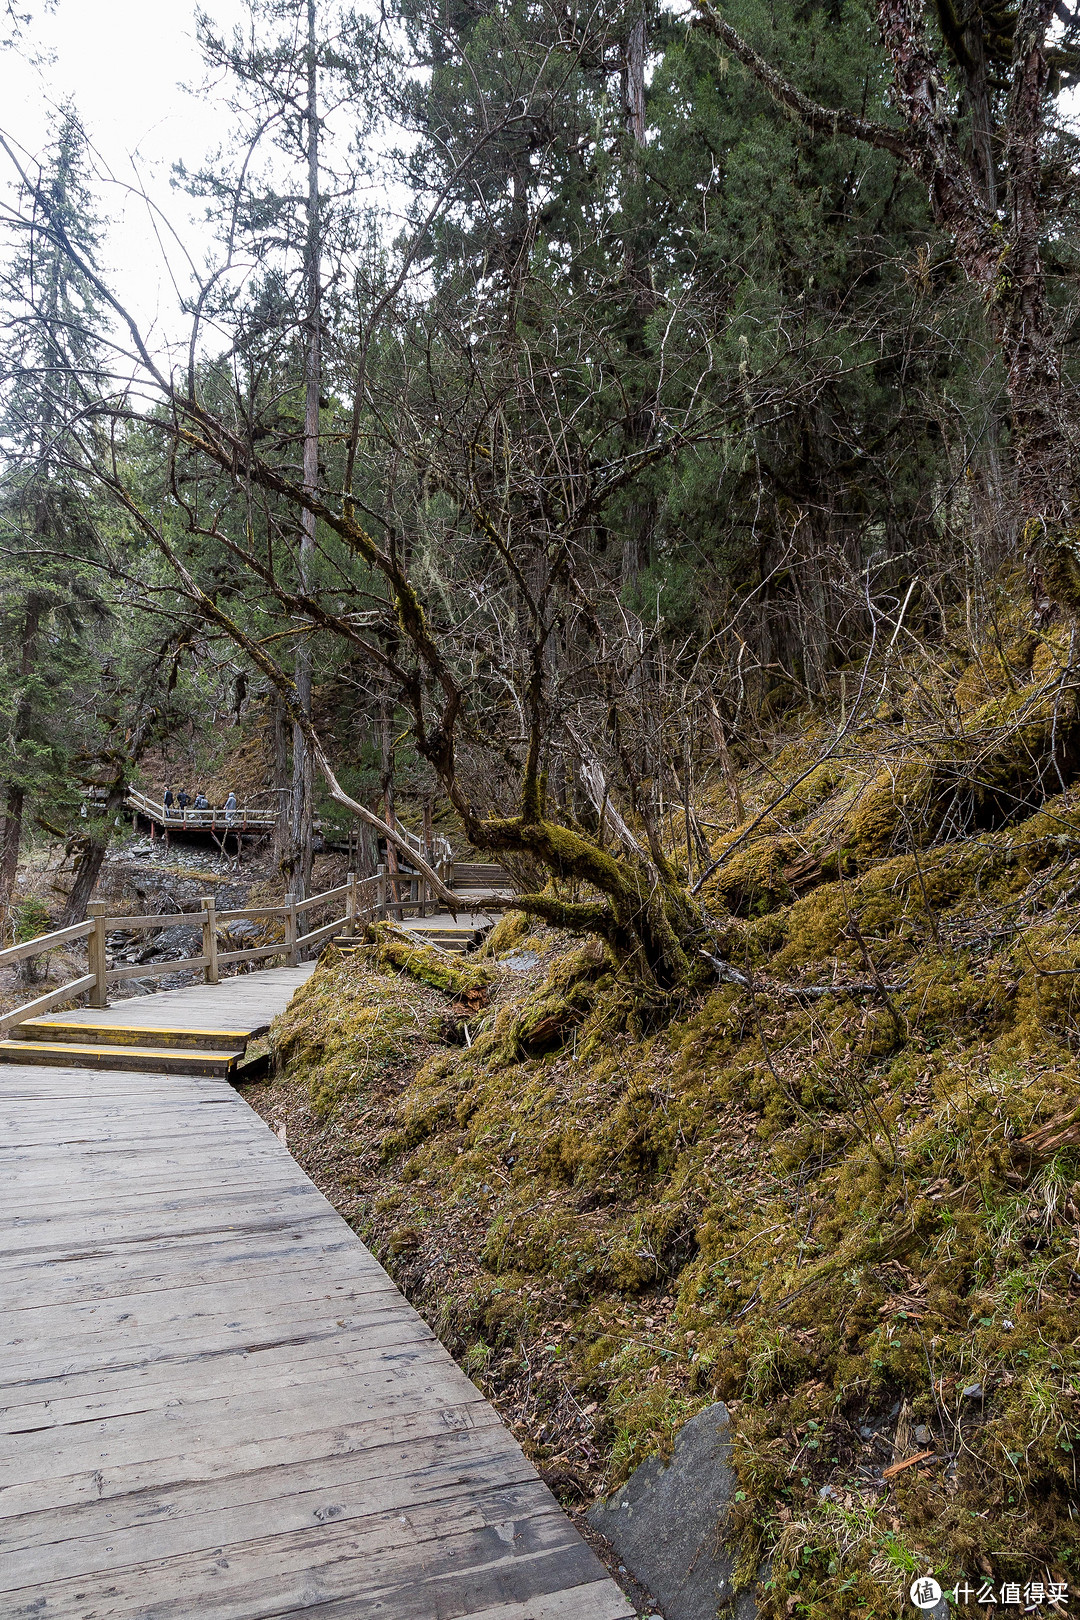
x: 214, y: 1403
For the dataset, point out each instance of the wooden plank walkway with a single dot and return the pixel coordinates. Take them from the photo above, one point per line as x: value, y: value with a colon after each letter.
x: 213, y: 1401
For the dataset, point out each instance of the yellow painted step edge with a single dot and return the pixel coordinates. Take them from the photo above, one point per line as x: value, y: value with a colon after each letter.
x: 149, y: 1029
x: 99, y: 1049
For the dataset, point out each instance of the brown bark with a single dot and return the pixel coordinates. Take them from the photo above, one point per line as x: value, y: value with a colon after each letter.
x: 641, y: 514
x: 91, y: 859
x: 11, y: 838
x: 300, y: 819
x: 279, y: 723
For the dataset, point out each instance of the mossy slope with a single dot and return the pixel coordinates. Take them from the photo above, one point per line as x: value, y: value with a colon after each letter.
x: 817, y: 1204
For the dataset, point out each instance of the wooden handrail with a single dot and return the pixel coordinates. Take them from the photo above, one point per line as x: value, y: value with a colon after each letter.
x: 246, y: 913
x: 324, y: 932
x: 365, y: 898
x: 154, y: 810
x: 321, y: 899
x: 154, y: 970
x: 45, y: 942
x: 45, y: 1003
x: 140, y: 925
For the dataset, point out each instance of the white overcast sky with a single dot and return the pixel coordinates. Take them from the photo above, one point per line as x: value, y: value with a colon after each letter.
x: 123, y: 63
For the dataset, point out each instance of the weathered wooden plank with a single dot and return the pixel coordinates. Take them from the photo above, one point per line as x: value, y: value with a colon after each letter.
x: 594, y: 1600
x: 35, y: 1358
x: 45, y: 1404
x: 191, y: 1516
x: 134, y: 1245
x: 244, y: 1002
x: 164, y: 1177
x: 452, y: 1558
x: 162, y: 1306
x: 214, y: 1402
x: 193, y: 1213
x: 128, y: 1265
x: 383, y: 1384
x: 407, y: 1417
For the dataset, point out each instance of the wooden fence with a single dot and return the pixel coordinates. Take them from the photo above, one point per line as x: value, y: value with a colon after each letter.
x: 239, y: 820
x: 363, y: 900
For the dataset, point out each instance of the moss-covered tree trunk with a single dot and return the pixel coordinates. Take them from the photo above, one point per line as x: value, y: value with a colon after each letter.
x: 641, y: 908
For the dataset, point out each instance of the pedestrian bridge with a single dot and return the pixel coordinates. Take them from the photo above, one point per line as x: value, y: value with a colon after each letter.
x: 214, y: 1401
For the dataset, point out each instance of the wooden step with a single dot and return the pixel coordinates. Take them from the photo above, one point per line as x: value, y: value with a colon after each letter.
x: 480, y: 875
x: 87, y: 1033
x: 143, y: 1059
x: 452, y: 947
x: 448, y: 939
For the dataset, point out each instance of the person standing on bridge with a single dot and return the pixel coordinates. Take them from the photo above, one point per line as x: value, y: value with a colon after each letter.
x: 182, y: 801
x: 168, y: 802
x: 230, y: 809
x: 201, y: 801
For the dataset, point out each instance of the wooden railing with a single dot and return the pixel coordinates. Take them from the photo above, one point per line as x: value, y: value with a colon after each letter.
x: 359, y: 897
x: 395, y: 894
x: 64, y: 992
x: 238, y: 820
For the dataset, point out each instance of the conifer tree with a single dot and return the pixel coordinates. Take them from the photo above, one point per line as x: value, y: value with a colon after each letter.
x: 50, y: 610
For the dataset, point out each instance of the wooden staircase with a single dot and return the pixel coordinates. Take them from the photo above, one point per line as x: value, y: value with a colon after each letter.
x: 75, y: 1044
x: 441, y: 931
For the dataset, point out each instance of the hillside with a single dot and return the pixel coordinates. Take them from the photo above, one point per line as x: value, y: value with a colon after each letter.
x: 839, y: 1189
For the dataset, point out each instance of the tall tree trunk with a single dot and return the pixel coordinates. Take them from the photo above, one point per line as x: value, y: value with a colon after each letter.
x: 302, y: 783
x: 641, y: 513
x: 12, y: 838
x: 15, y: 801
x: 280, y: 780
x: 386, y: 775
x: 91, y: 859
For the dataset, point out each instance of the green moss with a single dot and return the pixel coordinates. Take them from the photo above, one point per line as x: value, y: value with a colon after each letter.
x: 895, y: 808
x: 400, y: 951
x: 796, y: 1204
x: 344, y: 1030
x: 753, y: 882
x: 510, y: 929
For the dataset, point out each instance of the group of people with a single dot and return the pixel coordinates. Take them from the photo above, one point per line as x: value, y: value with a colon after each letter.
x: 176, y: 804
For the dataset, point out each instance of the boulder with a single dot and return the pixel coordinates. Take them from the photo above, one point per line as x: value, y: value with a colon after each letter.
x: 666, y: 1524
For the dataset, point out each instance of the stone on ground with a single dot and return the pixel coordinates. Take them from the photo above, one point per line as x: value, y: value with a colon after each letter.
x: 666, y: 1524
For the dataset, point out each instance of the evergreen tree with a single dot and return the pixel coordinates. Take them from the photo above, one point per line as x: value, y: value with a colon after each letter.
x: 51, y: 611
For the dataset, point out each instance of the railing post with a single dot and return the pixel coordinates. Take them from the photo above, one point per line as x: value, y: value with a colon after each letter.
x: 209, y: 937
x: 292, y: 949
x: 380, y: 892
x: 97, y: 910
x: 350, y: 907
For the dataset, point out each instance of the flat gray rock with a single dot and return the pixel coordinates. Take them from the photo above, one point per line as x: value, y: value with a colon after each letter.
x: 666, y: 1523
